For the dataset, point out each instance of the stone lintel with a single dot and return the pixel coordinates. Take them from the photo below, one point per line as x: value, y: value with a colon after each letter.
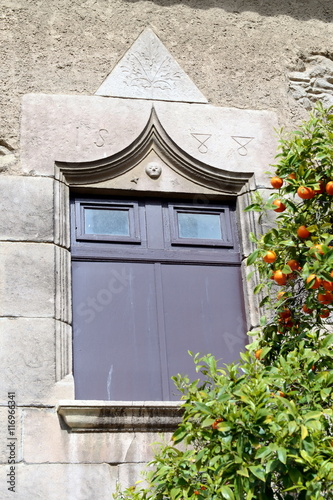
x: 117, y: 416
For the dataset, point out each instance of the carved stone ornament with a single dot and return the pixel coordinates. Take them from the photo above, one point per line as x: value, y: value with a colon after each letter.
x: 313, y: 80
x: 148, y: 71
x: 153, y: 170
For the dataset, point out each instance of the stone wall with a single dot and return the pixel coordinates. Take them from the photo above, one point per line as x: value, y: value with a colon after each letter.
x: 238, y: 52
x: 269, y: 56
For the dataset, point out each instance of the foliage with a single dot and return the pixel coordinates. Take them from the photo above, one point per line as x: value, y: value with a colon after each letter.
x: 305, y: 159
x: 262, y: 429
x: 251, y: 432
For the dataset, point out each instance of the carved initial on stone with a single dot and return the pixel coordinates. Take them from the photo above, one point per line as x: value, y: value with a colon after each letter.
x: 150, y: 69
x: 102, y: 133
x: 202, y: 139
x: 243, y: 142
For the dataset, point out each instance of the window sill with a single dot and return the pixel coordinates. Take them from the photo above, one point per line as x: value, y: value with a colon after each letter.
x: 121, y: 416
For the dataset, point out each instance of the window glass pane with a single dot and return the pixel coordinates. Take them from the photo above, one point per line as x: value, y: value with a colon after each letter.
x: 106, y: 221
x: 200, y: 226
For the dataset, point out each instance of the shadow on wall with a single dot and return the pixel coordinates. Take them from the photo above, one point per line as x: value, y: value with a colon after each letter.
x: 299, y: 9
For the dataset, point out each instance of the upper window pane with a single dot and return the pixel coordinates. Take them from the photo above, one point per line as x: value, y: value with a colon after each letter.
x: 199, y: 226
x: 107, y: 221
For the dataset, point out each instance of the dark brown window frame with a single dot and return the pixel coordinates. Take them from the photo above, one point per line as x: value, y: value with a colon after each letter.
x: 133, y: 216
x: 220, y: 210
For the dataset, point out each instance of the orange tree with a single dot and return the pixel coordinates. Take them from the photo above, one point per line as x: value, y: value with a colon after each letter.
x: 262, y: 429
x: 296, y: 256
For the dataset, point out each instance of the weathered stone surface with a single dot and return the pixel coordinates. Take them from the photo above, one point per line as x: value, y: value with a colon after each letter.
x: 27, y: 359
x: 76, y: 128
x: 27, y: 279
x: 231, y: 139
x: 251, y: 301
x: 88, y: 447
x: 314, y: 82
x: 247, y: 223
x: 10, y: 434
x: 121, y: 416
x: 236, y: 54
x: 26, y: 208
x: 65, y: 481
x: 129, y: 474
x: 148, y: 71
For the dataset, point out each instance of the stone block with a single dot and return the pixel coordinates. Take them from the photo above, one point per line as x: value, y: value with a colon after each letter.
x: 251, y: 301
x: 27, y: 279
x: 27, y: 359
x: 130, y: 474
x: 26, y: 208
x: 236, y: 140
x: 60, y: 481
x: 76, y: 128
x: 10, y: 432
x: 45, y: 439
x: 82, y: 128
x: 246, y: 222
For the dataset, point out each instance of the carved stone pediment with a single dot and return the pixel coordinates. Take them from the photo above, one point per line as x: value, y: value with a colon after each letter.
x: 148, y: 71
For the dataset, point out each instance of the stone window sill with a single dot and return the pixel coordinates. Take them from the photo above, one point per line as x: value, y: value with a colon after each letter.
x: 121, y: 416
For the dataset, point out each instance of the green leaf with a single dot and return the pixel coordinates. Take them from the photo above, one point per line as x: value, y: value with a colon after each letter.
x: 263, y: 321
x: 258, y: 472
x: 252, y: 257
x: 282, y: 455
x: 243, y: 472
x: 223, y: 426
x: 227, y: 493
x: 204, y: 408
x: 304, y: 432
x: 258, y: 288
x: 264, y: 451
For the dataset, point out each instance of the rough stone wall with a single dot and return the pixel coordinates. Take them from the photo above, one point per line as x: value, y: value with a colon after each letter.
x: 238, y: 52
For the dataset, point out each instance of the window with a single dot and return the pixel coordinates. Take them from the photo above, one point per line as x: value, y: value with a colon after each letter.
x: 152, y: 279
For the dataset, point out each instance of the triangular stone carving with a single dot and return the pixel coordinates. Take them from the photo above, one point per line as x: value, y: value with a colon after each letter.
x: 148, y: 71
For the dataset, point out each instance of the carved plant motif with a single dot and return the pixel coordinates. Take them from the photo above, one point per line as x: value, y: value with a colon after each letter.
x: 150, y: 69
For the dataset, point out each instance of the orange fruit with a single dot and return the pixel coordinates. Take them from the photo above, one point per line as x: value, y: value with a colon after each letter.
x: 257, y: 354
x: 270, y: 257
x: 289, y: 323
x: 280, y: 207
x: 328, y: 285
x: 306, y: 193
x: 292, y: 176
x: 286, y: 313
x: 276, y: 182
x: 307, y: 310
x: 280, y: 277
x: 316, y: 281
x: 329, y: 187
x: 324, y: 313
x: 302, y: 232
x: 294, y: 265
x: 280, y: 295
x: 216, y: 423
x: 325, y: 298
